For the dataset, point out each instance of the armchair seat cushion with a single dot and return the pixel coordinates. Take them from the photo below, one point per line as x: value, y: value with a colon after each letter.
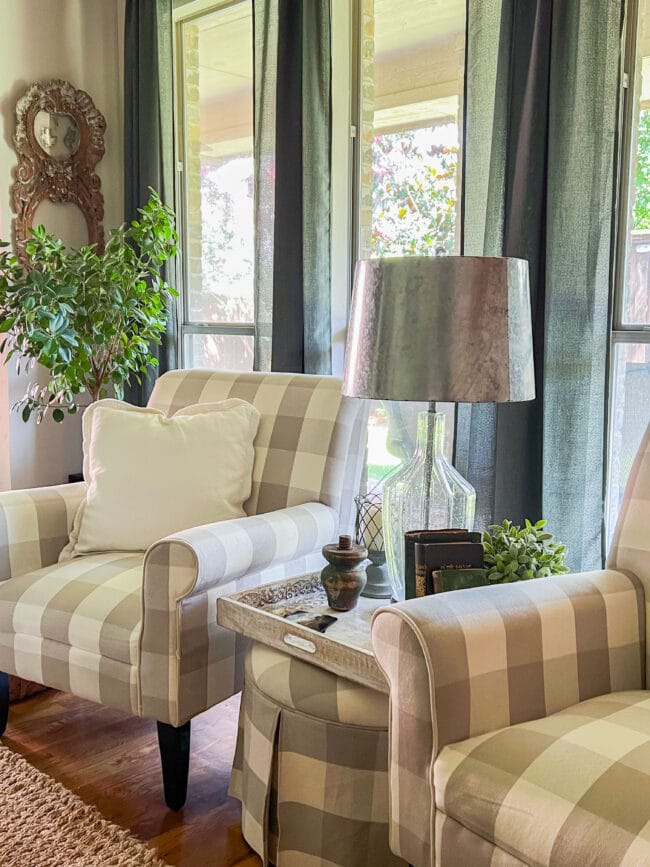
x: 92, y: 603
x: 572, y: 788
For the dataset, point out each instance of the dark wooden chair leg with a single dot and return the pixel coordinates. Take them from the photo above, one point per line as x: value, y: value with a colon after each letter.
x: 4, y: 701
x: 174, y: 746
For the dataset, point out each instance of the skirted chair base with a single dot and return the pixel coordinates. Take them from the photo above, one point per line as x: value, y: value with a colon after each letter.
x: 311, y: 766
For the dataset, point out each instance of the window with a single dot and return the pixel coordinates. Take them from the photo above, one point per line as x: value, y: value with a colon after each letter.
x: 214, y: 116
x: 411, y: 86
x: 630, y: 357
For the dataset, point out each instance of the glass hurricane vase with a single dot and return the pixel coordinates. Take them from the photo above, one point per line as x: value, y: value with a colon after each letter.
x: 427, y: 493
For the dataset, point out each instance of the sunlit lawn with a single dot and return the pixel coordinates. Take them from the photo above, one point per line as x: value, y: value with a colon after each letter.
x: 380, y: 460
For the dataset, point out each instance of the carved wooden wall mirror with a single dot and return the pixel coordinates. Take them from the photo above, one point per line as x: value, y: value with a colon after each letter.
x: 59, y: 140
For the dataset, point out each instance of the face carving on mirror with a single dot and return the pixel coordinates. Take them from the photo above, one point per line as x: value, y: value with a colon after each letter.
x: 59, y: 140
x: 57, y: 134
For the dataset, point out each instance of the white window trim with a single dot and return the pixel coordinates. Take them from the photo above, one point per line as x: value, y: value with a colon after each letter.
x: 620, y: 333
x: 183, y: 14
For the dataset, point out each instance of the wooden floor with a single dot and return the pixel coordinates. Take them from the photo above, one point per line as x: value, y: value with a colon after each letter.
x: 111, y: 760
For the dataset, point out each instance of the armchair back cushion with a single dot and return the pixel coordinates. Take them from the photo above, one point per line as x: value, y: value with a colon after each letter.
x: 308, y: 447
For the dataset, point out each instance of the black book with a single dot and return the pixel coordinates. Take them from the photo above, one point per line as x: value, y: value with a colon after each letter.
x: 428, y: 536
x: 431, y: 558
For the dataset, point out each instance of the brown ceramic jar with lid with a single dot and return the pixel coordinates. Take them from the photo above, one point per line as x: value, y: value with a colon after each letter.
x: 344, y: 578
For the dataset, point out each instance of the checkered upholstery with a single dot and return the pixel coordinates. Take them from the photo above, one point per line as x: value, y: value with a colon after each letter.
x: 308, y: 689
x: 35, y: 525
x: 188, y: 662
x: 571, y: 788
x: 462, y: 847
x: 473, y: 671
x: 75, y: 626
x: 311, y: 766
x: 92, y: 604
x: 466, y: 663
x: 140, y: 634
x: 309, y: 444
x: 631, y: 544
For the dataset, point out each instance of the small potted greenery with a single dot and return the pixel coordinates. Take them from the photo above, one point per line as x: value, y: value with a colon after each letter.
x: 514, y: 553
x: 89, y: 318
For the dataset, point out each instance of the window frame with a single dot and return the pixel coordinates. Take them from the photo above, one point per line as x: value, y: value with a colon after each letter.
x: 621, y: 333
x: 184, y: 13
x: 356, y: 176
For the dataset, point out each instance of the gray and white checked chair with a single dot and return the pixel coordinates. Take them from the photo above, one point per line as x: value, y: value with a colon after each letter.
x: 138, y: 632
x: 520, y: 714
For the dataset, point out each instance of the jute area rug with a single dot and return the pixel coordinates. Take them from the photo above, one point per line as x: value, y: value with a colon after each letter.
x: 42, y: 824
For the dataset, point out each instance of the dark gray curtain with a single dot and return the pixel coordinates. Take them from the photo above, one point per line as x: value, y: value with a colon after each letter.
x: 149, y: 140
x: 292, y: 185
x: 541, y: 118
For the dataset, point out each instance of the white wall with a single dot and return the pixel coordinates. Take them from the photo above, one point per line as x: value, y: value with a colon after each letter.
x: 80, y: 41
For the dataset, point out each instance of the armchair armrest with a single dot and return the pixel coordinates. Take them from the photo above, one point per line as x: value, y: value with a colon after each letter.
x: 187, y: 661
x: 205, y: 557
x: 469, y: 662
x: 35, y: 526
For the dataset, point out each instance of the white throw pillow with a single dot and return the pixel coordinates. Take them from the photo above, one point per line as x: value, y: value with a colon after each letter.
x: 150, y: 475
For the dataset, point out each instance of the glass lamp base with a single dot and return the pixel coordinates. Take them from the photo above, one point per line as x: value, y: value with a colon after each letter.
x: 378, y: 585
x: 427, y: 493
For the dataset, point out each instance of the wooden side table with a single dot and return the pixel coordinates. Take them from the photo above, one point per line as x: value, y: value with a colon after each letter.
x: 344, y: 649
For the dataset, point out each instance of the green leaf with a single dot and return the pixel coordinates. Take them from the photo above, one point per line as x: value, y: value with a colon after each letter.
x: 88, y: 317
x: 517, y: 553
x: 58, y: 415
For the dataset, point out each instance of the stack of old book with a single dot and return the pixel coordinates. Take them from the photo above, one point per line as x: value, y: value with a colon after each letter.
x: 440, y: 560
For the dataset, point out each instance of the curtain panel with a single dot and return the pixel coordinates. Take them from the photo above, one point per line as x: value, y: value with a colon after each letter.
x: 292, y: 124
x: 149, y: 142
x: 541, y: 113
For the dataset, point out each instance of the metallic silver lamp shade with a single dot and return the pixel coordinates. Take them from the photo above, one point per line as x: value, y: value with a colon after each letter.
x: 444, y: 328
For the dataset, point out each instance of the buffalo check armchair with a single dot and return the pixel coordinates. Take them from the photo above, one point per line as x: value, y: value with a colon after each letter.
x: 138, y: 632
x: 520, y: 714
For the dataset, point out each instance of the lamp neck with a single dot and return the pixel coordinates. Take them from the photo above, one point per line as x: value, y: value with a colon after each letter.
x: 430, y: 434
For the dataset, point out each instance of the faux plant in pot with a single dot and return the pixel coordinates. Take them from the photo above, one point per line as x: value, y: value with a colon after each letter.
x: 89, y: 318
x: 514, y: 553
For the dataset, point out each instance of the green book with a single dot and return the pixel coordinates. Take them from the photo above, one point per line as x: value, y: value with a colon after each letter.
x: 459, y: 579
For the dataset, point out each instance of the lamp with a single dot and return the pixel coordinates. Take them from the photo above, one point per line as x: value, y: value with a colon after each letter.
x: 449, y: 328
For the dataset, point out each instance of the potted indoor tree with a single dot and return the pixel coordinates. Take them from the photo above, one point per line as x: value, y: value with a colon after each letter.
x: 88, y: 317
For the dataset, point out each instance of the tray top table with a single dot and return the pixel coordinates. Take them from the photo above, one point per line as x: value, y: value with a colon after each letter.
x: 344, y: 649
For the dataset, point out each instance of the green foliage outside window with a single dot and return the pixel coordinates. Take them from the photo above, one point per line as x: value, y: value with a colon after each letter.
x: 641, y: 212
x: 414, y: 194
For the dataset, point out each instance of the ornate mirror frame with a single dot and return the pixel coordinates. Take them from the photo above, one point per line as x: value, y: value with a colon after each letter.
x: 40, y: 176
